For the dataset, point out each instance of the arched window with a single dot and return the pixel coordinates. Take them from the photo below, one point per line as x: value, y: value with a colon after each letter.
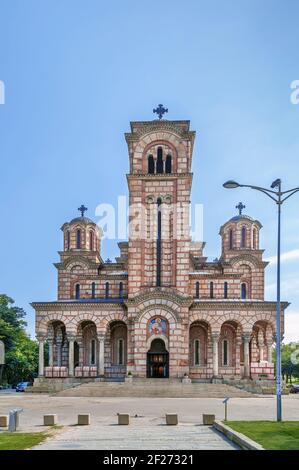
x: 225, y: 352
x: 93, y: 290
x: 225, y: 290
x: 159, y: 160
x: 68, y: 240
x: 78, y: 245
x: 92, y: 352
x: 196, y: 352
x: 243, y: 291
x: 77, y: 291
x: 197, y: 290
x: 231, y: 240
x: 121, y: 290
x: 254, y: 245
x: 120, y: 352
x: 211, y: 290
x: 168, y: 164
x: 91, y: 241
x: 243, y: 237
x: 106, y: 290
x: 151, y: 165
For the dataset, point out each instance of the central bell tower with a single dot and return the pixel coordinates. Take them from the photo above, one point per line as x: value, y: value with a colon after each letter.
x: 159, y: 182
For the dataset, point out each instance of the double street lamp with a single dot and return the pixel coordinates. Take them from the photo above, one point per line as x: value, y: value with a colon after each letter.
x: 279, y: 197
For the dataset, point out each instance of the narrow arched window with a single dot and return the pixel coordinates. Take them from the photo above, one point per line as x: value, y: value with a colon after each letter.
x: 168, y: 164
x: 225, y: 290
x: 197, y: 352
x: 159, y: 160
x: 107, y: 290
x: 68, y: 240
x: 78, y: 245
x: 120, y: 352
x: 93, y: 290
x: 211, y: 290
x: 92, y: 352
x: 77, y: 291
x: 243, y: 237
x: 231, y: 240
x: 151, y: 165
x: 197, y: 290
x: 243, y: 291
x: 121, y: 290
x: 91, y: 241
x: 254, y: 245
x: 225, y: 352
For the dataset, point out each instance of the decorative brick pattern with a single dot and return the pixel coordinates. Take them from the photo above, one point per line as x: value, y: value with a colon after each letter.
x: 217, y: 323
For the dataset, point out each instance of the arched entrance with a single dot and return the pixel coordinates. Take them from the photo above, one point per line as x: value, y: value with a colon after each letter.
x: 158, y: 360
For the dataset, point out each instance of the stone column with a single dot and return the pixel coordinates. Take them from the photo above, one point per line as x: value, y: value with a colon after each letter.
x: 261, y: 344
x: 71, y: 355
x: 215, y: 338
x: 269, y: 352
x: 101, y: 355
x: 41, y: 341
x: 238, y: 354
x: 59, y: 352
x: 246, y: 339
x: 50, y: 343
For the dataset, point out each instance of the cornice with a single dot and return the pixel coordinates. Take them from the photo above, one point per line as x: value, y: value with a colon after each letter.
x: 142, y: 128
x: 159, y: 176
x: 236, y: 305
x: 70, y: 305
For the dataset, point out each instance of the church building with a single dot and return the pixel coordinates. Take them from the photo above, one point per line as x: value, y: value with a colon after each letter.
x: 161, y: 309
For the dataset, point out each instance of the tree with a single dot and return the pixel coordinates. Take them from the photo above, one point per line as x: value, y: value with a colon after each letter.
x: 290, y: 361
x: 21, y: 351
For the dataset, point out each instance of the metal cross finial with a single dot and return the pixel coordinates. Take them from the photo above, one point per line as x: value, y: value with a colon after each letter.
x: 82, y: 209
x: 160, y: 110
x: 240, y: 207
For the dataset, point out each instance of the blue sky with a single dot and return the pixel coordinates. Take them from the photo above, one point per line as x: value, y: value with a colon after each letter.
x: 76, y: 73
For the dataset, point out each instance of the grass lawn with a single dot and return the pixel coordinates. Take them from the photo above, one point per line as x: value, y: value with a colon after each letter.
x: 20, y: 440
x: 270, y: 434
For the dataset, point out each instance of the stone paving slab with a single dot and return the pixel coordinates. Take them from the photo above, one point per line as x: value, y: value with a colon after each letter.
x: 144, y: 437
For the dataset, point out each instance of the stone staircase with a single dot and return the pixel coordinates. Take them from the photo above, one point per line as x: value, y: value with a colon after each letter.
x: 167, y: 388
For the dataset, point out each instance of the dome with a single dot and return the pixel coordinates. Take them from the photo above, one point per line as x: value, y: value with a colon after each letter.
x: 85, y: 220
x: 240, y: 217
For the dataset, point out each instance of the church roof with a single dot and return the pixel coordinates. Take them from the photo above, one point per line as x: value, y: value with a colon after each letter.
x: 240, y: 217
x: 85, y: 220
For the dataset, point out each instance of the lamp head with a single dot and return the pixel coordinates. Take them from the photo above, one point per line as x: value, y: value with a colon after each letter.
x: 276, y: 183
x: 230, y: 184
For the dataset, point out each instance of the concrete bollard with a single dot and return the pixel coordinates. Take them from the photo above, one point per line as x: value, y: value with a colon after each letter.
x: 50, y: 420
x: 3, y: 421
x: 84, y: 420
x: 172, y: 419
x: 208, y: 420
x: 123, y: 418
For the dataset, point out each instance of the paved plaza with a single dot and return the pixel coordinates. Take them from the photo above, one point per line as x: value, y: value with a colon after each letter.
x: 147, y: 429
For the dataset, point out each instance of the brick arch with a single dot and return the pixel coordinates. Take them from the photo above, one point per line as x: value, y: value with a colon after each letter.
x: 50, y: 318
x: 112, y: 317
x: 264, y: 317
x: 245, y: 259
x: 159, y: 143
x: 84, y: 316
x: 79, y: 261
x: 155, y: 137
x: 198, y: 316
x: 151, y: 338
x: 157, y: 310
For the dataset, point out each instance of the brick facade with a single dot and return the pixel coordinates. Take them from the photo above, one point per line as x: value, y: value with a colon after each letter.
x: 161, y: 308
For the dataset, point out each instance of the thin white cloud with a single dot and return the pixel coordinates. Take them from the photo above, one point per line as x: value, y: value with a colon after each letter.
x: 287, y: 256
x: 291, y: 327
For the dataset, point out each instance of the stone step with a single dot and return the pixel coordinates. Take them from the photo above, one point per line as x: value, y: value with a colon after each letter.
x: 176, y: 390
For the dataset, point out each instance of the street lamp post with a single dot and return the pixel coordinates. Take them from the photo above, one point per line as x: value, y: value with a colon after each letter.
x: 278, y: 196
